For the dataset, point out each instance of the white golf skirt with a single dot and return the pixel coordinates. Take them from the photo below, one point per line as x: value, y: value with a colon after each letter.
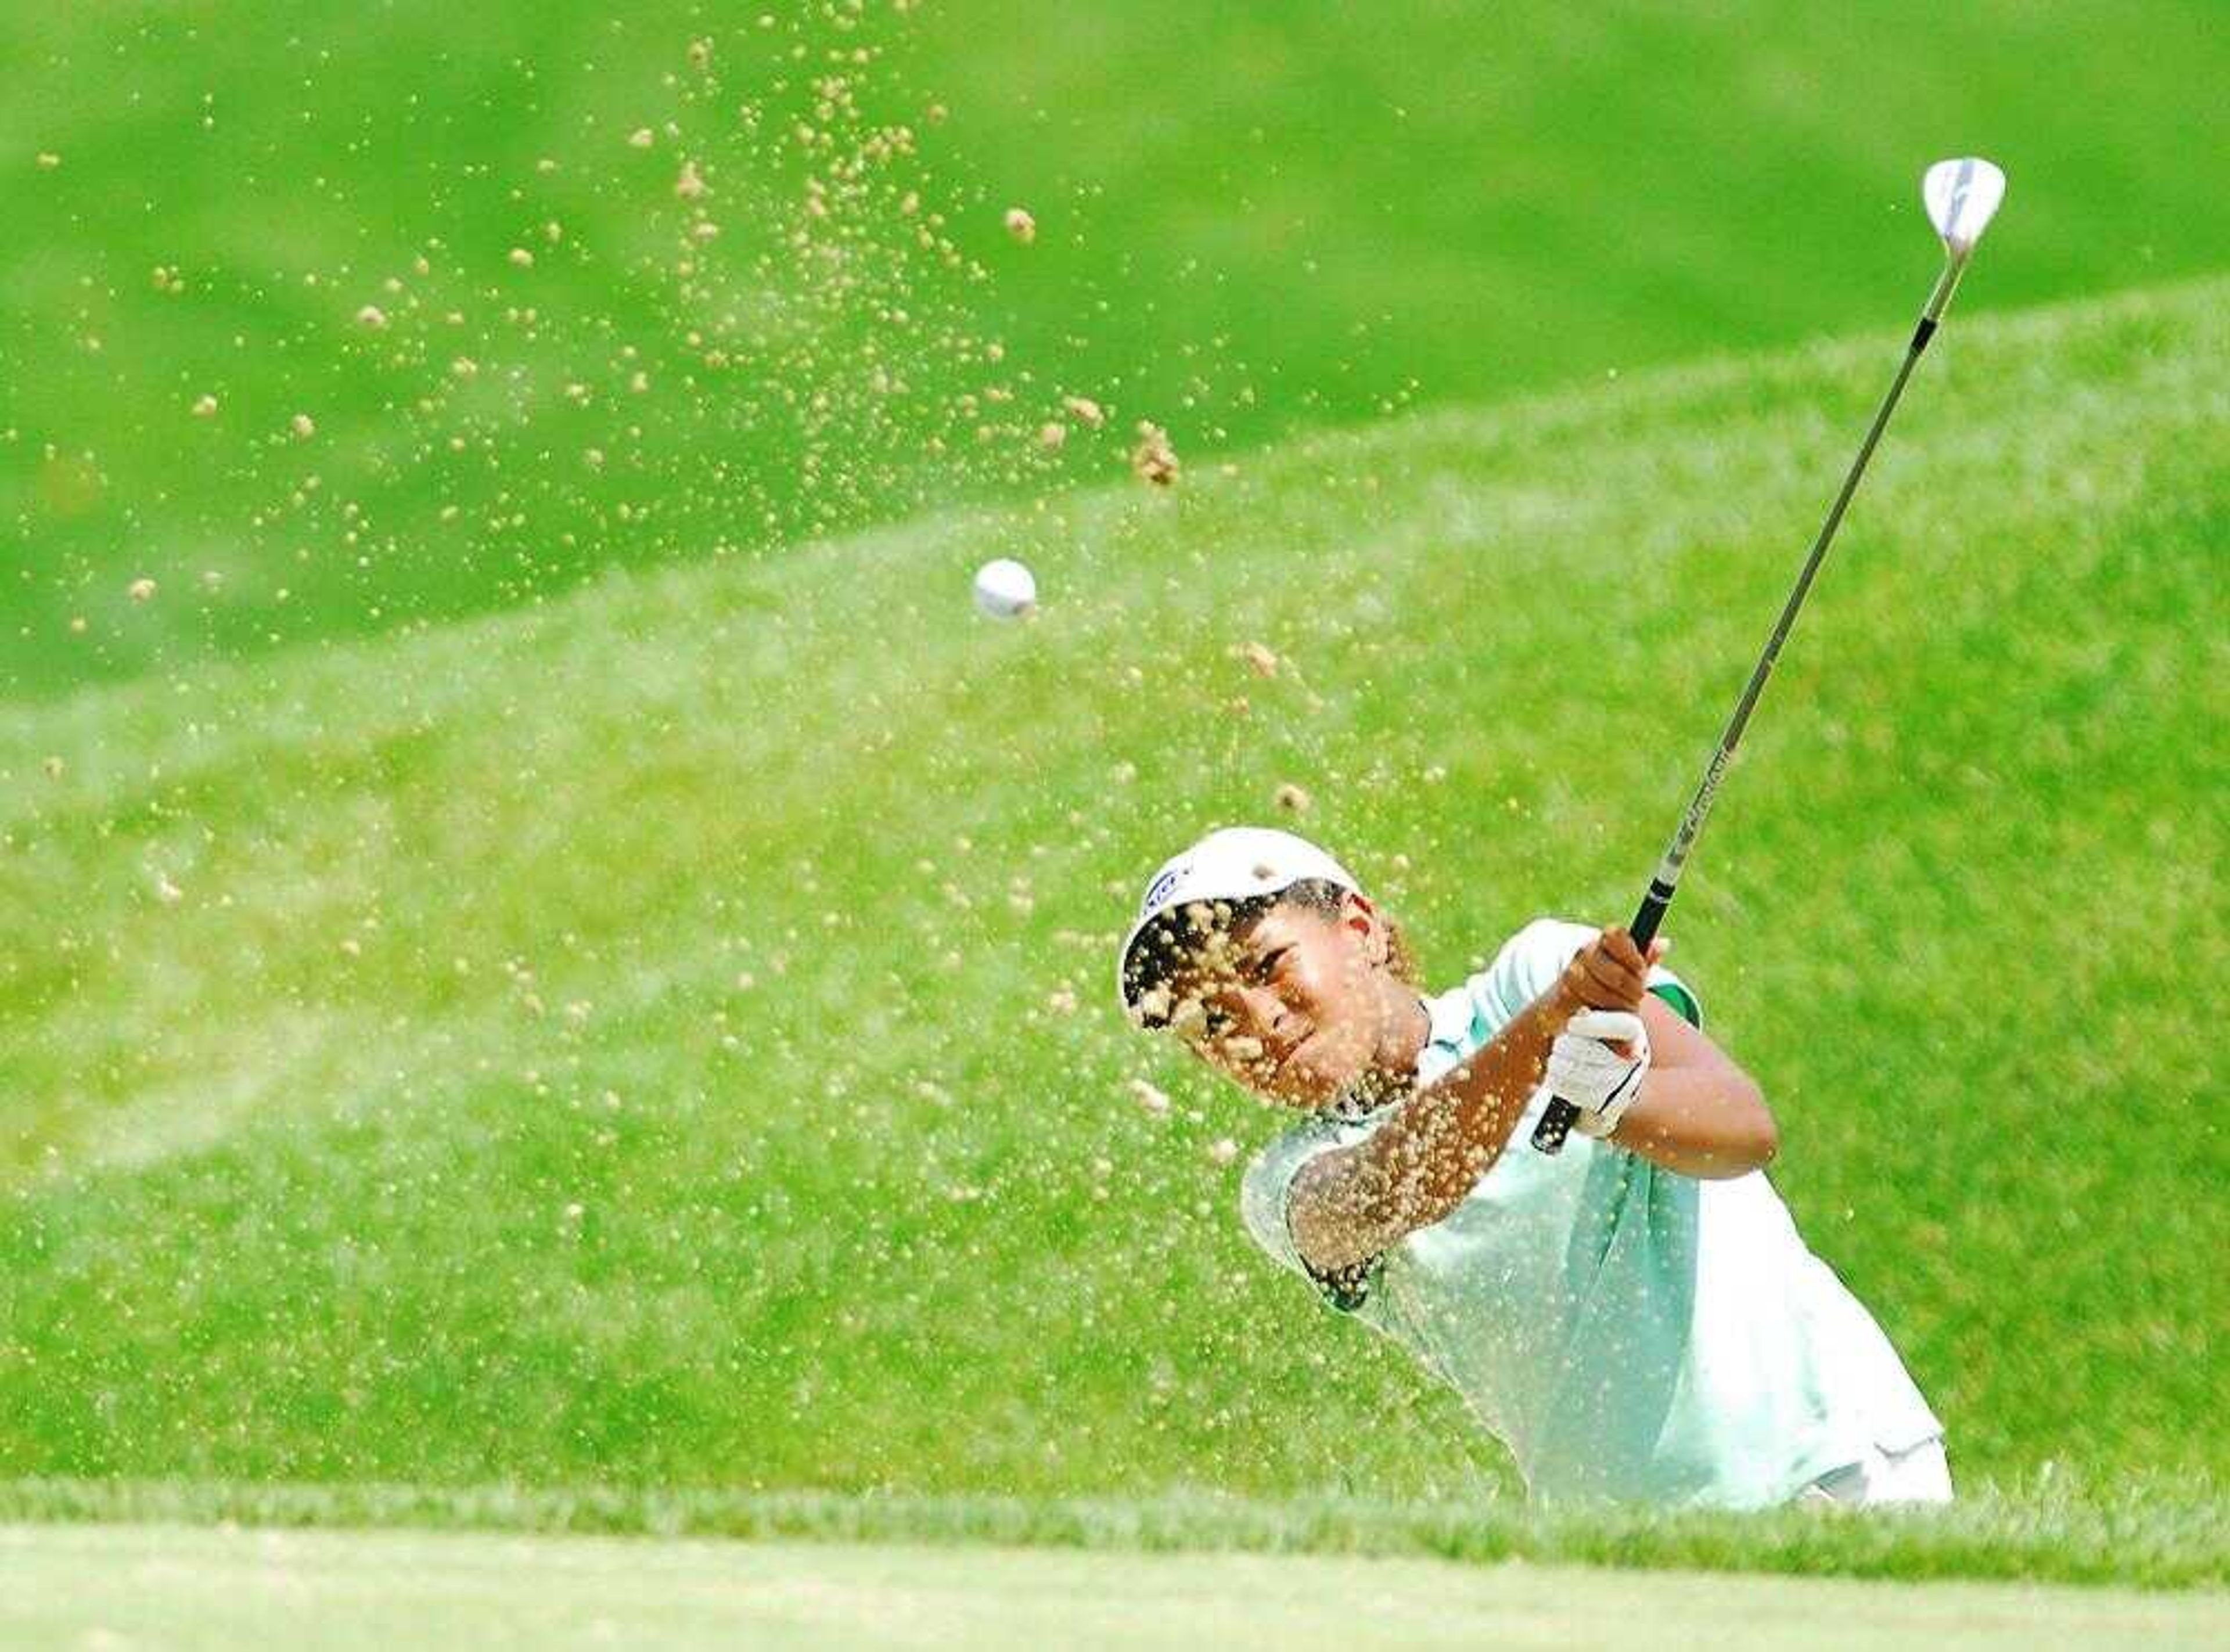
x: 1919, y: 1475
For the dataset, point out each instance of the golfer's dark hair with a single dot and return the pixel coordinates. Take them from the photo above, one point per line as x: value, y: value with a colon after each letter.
x: 1170, y: 943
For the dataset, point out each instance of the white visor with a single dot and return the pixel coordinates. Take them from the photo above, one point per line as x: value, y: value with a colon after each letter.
x: 1237, y: 863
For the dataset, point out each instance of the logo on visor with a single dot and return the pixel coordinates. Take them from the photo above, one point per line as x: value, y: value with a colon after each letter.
x: 1158, y: 891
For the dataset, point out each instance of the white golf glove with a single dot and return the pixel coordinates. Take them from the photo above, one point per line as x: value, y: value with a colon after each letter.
x: 1594, y: 1077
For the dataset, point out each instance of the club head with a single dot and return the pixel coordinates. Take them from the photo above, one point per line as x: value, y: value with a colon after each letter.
x: 1962, y: 195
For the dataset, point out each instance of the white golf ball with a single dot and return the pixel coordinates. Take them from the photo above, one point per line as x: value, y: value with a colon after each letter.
x: 1004, y: 589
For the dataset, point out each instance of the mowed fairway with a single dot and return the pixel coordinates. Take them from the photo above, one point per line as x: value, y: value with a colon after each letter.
x: 128, y: 1586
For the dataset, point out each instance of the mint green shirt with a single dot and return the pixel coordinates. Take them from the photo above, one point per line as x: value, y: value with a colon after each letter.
x: 1627, y: 1332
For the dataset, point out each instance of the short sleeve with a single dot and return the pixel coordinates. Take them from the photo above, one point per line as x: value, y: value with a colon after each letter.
x: 1266, y: 1189
x: 1268, y: 1183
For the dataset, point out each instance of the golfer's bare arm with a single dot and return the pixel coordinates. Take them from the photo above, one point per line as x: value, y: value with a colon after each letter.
x: 1697, y: 1114
x: 1353, y: 1204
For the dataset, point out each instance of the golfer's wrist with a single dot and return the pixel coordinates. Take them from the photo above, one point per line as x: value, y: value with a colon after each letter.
x: 1559, y: 1005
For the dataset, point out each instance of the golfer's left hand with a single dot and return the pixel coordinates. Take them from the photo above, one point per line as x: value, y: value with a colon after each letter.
x: 1597, y: 1063
x: 1609, y: 972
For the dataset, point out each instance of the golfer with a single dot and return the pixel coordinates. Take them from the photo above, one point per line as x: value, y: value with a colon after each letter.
x: 1636, y: 1318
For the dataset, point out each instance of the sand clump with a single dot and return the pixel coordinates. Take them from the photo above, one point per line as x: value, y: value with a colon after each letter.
x: 1154, y: 459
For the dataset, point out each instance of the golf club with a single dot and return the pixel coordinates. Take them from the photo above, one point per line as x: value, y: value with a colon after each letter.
x: 1961, y: 196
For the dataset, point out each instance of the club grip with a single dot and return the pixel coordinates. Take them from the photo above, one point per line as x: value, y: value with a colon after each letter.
x: 1651, y: 914
x: 1557, y: 1118
x: 1553, y: 1126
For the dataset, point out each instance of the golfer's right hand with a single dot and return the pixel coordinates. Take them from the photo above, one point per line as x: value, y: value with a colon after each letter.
x: 1597, y: 1065
x: 1609, y: 972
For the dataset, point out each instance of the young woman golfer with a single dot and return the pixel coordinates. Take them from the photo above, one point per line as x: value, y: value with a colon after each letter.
x: 1634, y: 1318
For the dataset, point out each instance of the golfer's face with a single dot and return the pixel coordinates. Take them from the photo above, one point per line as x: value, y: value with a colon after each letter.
x: 1287, y: 1006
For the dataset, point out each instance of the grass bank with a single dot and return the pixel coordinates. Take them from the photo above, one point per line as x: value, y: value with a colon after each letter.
x: 664, y: 1038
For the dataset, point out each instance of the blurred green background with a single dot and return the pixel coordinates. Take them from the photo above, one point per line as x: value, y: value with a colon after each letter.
x: 455, y: 1028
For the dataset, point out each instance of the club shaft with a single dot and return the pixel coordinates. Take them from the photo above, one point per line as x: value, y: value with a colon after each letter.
x: 1699, y: 807
x: 1555, y: 1121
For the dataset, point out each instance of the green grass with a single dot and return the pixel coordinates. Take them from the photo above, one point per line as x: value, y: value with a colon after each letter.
x: 2155, y: 1536
x: 629, y: 1042
x: 194, y: 1588
x: 1251, y: 220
